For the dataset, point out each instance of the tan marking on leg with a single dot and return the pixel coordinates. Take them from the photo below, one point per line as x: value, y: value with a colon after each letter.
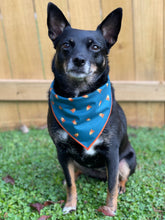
x: 112, y: 197
x: 124, y: 172
x: 111, y: 203
x: 122, y: 187
x: 71, y: 201
x: 77, y: 174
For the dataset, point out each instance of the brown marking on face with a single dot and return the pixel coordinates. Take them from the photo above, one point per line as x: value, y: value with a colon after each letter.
x: 104, y: 62
x: 65, y: 66
x: 71, y: 191
x: 93, y: 68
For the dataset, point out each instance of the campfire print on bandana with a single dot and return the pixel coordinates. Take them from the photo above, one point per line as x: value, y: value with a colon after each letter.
x: 85, y: 117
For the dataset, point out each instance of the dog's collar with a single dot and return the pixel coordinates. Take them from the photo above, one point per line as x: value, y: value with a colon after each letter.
x: 85, y: 117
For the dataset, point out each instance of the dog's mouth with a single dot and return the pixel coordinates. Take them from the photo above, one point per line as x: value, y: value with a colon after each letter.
x: 80, y: 73
x: 76, y: 74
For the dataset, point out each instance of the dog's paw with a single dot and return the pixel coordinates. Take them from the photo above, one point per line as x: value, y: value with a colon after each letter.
x: 122, y: 187
x: 67, y: 210
x: 121, y: 190
x: 106, y: 211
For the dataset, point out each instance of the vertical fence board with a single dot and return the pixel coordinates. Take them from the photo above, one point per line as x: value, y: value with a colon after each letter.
x: 164, y: 46
x: 38, y: 113
x: 33, y: 113
x: 46, y: 44
x: 122, y: 54
x: 150, y: 114
x: 148, y: 32
x: 21, y: 35
x: 130, y: 110
x: 148, y: 28
x: 4, y: 62
x: 84, y: 14
x: 9, y: 117
x: 138, y: 55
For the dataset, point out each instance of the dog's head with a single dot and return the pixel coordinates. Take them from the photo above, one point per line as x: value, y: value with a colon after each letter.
x: 81, y: 55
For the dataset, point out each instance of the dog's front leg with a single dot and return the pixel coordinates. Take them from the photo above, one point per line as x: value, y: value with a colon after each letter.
x: 112, y: 176
x: 112, y: 164
x: 68, y: 168
x: 71, y: 201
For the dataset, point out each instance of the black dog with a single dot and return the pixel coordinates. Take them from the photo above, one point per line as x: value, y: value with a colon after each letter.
x: 101, y: 147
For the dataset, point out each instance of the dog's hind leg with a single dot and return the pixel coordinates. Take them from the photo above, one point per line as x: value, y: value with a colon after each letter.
x: 124, y: 172
x: 126, y: 168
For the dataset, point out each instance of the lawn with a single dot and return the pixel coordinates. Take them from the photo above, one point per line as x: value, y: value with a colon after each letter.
x: 30, y: 159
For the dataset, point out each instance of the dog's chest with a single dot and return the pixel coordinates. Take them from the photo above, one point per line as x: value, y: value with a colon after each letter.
x: 92, y: 151
x: 83, y: 118
x: 75, y: 149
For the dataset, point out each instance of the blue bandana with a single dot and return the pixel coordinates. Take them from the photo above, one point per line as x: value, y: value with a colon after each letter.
x: 85, y: 117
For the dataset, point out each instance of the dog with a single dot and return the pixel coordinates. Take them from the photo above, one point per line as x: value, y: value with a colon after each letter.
x: 85, y: 122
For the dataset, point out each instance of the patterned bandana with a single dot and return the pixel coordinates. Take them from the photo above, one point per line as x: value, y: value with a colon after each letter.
x: 85, y: 117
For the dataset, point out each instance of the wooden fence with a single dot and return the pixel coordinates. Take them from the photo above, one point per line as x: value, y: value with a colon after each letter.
x: 137, y: 60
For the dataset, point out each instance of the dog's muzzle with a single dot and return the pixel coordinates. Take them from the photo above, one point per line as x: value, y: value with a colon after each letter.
x: 78, y: 68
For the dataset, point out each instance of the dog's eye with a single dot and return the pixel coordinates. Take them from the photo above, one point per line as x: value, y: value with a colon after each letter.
x: 95, y: 47
x: 66, y: 45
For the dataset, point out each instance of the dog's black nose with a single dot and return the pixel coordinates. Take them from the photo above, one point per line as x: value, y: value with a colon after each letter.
x: 79, y: 61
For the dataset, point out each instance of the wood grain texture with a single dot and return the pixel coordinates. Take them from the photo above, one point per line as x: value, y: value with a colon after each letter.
x: 149, y: 57
x: 24, y: 90
x: 84, y: 14
x: 150, y: 114
x: 122, y: 53
x: 9, y: 117
x: 21, y: 35
x: 46, y: 44
x: 148, y: 32
x: 33, y: 113
x: 23, y: 44
x: 130, y: 111
x: 9, y: 114
x: 164, y: 34
x: 5, y: 72
x: 138, y: 55
x: 164, y: 47
x: 35, y: 90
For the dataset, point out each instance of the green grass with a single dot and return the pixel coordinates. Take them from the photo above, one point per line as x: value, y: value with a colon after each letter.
x: 31, y: 160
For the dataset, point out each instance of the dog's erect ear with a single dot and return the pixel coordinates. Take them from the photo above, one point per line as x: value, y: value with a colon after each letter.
x: 56, y: 21
x: 110, y: 26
